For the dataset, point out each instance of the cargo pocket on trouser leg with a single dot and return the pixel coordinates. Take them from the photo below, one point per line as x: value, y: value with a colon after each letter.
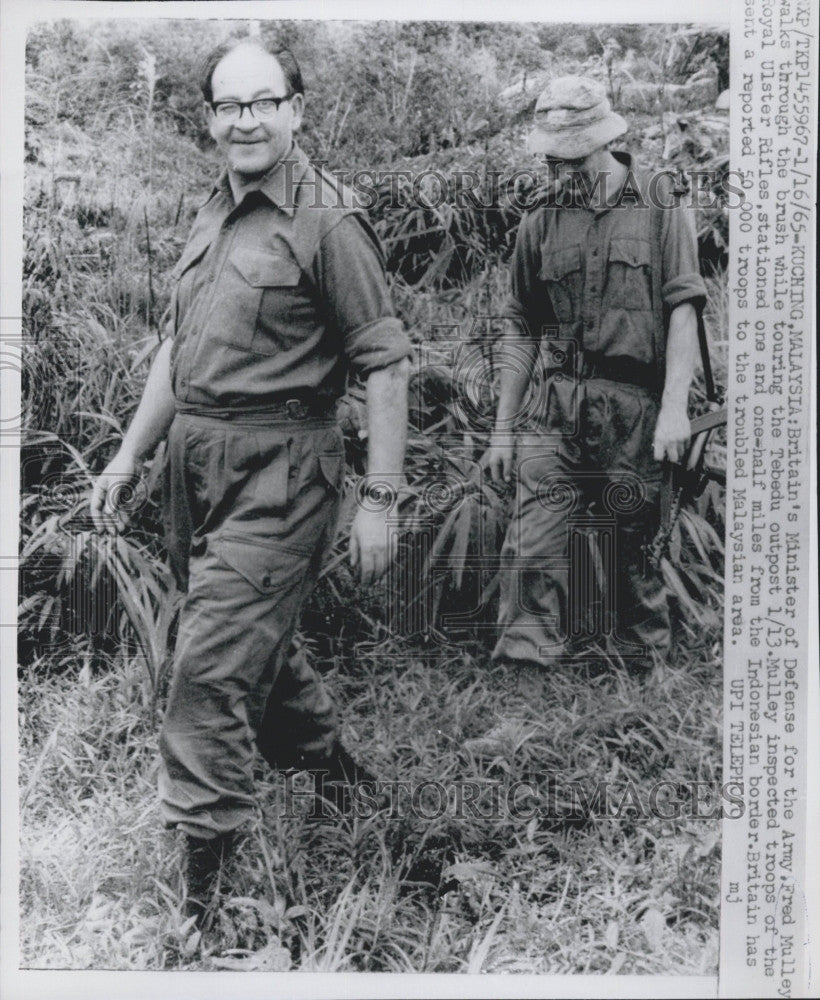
x: 332, y: 465
x: 279, y: 574
x: 239, y: 614
x: 269, y: 568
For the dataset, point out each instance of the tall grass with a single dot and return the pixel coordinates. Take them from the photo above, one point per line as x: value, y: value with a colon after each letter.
x: 422, y: 701
x: 490, y: 893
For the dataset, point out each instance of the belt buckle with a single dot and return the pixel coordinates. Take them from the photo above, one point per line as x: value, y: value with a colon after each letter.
x: 294, y: 408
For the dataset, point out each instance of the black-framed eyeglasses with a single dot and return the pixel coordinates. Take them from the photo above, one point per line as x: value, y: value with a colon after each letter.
x: 261, y: 109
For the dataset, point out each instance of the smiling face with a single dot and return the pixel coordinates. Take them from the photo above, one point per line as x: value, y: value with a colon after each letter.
x: 251, y: 146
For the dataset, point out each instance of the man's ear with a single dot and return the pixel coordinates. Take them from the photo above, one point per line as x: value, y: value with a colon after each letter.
x: 297, y: 109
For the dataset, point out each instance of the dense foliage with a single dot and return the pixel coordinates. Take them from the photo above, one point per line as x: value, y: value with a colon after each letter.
x: 117, y: 159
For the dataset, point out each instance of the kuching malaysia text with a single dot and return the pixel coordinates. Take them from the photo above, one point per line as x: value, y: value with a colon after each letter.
x: 768, y: 502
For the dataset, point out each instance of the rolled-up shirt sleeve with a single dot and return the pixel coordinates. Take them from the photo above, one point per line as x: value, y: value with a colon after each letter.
x: 681, y: 280
x: 350, y: 276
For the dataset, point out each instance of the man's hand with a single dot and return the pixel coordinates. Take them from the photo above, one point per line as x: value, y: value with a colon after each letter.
x: 672, y: 433
x: 113, y: 498
x: 112, y: 488
x: 370, y: 544
x: 499, y: 457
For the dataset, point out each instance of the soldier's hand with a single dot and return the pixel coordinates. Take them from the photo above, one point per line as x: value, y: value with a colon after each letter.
x: 672, y: 433
x: 370, y: 544
x: 113, y: 493
x: 498, y: 458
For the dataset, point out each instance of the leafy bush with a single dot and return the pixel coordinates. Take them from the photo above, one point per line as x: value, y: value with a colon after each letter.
x: 117, y: 160
x: 425, y: 100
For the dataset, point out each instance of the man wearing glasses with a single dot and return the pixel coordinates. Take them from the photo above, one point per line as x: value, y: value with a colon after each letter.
x: 604, y: 291
x: 279, y: 291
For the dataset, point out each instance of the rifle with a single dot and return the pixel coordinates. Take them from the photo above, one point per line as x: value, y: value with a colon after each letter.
x: 684, y: 481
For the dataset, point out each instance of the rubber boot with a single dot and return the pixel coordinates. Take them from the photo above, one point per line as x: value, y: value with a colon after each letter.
x: 342, y: 785
x: 203, y: 866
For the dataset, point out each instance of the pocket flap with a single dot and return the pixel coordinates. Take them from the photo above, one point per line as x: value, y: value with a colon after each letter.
x: 556, y: 264
x: 267, y: 568
x: 634, y: 252
x: 262, y: 270
x: 190, y: 255
x: 332, y: 464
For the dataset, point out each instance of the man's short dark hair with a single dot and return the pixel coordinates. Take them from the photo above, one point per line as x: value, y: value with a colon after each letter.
x: 285, y: 58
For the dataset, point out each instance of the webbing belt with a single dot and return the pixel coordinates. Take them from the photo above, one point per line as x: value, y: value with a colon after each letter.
x: 292, y: 408
x: 616, y: 368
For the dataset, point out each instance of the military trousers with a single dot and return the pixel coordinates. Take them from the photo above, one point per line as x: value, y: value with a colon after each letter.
x: 250, y: 510
x: 573, y: 569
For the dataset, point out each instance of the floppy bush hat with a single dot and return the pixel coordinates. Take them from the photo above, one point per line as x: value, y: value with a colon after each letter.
x: 572, y: 118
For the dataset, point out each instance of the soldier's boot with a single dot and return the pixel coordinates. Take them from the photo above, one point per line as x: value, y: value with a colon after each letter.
x: 341, y: 782
x: 204, y: 860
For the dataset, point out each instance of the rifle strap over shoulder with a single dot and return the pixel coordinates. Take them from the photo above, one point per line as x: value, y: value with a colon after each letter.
x: 708, y: 377
x: 659, y: 325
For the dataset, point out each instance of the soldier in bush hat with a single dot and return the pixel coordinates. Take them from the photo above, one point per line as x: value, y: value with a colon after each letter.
x: 605, y: 285
x: 280, y: 290
x: 573, y: 118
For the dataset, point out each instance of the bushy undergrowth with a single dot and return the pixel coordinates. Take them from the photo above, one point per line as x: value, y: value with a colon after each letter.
x: 115, y: 171
x: 555, y: 892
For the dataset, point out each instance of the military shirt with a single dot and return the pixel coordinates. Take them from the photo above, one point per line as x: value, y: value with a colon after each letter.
x: 584, y: 272
x: 280, y: 294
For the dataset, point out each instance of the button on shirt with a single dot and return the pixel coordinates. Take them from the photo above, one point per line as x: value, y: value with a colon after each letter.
x: 585, y: 272
x: 280, y: 294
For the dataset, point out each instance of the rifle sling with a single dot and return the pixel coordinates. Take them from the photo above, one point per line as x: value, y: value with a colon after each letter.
x: 707, y: 421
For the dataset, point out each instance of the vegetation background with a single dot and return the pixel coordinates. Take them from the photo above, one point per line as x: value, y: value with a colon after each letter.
x: 117, y: 160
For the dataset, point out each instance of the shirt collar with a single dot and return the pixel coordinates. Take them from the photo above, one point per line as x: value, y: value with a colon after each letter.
x: 575, y: 201
x: 279, y: 184
x: 629, y: 192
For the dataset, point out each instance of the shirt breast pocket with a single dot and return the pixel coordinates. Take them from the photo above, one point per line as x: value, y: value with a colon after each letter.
x: 191, y: 255
x: 268, y: 305
x: 629, y: 275
x: 183, y: 278
x: 561, y: 273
